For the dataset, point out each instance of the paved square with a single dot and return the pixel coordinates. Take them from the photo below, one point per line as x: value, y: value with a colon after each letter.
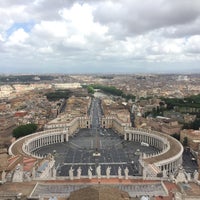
x: 79, y: 151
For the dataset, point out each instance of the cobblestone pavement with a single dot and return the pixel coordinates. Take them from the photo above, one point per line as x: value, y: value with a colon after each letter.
x: 81, y: 149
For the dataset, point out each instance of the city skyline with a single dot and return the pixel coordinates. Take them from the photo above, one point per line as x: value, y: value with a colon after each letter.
x: 130, y: 36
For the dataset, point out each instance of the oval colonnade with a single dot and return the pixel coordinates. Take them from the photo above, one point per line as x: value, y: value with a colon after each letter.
x: 168, y: 159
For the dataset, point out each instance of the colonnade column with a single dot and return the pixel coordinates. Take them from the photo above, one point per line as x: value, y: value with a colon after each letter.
x: 133, y: 136
x: 130, y: 136
x: 62, y: 138
x: 125, y: 136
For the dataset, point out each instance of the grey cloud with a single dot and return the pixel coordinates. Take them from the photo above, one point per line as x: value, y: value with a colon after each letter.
x: 183, y: 30
x: 137, y: 17
x: 49, y: 9
x: 8, y: 3
x: 191, y: 50
x: 68, y: 49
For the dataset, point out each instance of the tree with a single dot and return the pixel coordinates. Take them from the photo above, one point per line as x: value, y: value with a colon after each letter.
x: 90, y: 89
x: 176, y: 135
x: 59, y: 94
x: 194, y: 125
x: 24, y: 130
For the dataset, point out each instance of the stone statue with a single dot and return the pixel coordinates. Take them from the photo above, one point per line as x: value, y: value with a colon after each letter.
x: 171, y: 177
x: 27, y: 176
x: 34, y: 169
x: 79, y: 170
x: 3, y: 176
x: 144, y: 174
x: 98, y: 171
x: 119, y: 172
x: 196, y: 175
x: 164, y: 173
x: 18, y: 174
x: 181, y: 176
x: 126, y: 171
x: 108, y: 172
x: 188, y: 176
x: 54, y: 172
x: 90, y: 172
x: 71, y: 173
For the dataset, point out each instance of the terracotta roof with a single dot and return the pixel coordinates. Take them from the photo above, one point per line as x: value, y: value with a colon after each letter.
x: 27, y: 162
x: 3, y: 161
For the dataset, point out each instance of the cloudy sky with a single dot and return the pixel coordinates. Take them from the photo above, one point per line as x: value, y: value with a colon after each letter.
x: 97, y: 36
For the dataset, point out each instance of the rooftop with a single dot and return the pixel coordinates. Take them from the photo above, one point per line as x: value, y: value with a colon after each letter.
x: 195, y: 134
